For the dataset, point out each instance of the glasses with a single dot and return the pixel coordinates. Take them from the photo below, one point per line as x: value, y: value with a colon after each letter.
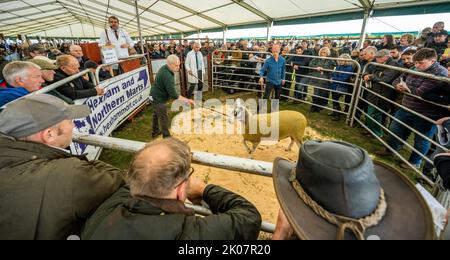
x: 191, y: 171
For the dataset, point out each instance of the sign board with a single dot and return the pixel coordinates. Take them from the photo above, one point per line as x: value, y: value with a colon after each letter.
x: 109, y: 55
x: 124, y: 94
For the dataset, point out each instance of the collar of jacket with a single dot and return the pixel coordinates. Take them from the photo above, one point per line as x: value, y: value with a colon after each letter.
x: 152, y: 206
x: 34, y: 150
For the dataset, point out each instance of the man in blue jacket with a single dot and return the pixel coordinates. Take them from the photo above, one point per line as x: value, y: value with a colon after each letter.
x: 22, y: 78
x: 276, y: 73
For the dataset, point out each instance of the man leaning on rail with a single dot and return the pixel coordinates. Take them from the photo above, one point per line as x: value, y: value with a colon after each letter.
x: 160, y: 179
x: 425, y: 61
x: 45, y: 192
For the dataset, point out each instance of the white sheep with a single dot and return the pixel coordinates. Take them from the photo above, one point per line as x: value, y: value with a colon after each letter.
x: 291, y: 124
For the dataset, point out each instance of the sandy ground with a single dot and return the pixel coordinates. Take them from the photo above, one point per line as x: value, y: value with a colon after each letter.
x: 257, y: 189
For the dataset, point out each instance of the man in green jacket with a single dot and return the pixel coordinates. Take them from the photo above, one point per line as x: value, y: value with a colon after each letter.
x: 153, y: 207
x: 162, y: 92
x: 45, y: 192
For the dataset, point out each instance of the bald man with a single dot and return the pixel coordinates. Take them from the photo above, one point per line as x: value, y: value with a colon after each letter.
x: 77, y: 52
x: 78, y: 88
x: 152, y: 208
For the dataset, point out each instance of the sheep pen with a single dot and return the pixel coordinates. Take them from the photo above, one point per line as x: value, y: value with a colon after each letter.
x: 257, y: 189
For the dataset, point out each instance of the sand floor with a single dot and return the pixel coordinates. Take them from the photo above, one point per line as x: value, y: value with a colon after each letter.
x: 257, y: 189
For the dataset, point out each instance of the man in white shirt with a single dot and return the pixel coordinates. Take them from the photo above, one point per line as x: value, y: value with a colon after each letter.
x: 116, y: 36
x: 195, y: 68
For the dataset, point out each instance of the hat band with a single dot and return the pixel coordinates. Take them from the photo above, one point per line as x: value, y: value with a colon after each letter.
x: 357, y: 226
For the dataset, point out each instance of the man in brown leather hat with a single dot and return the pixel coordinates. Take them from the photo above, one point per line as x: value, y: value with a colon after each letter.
x: 337, y: 191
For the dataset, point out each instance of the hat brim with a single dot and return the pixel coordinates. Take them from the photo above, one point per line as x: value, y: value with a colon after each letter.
x: 407, y: 218
x: 78, y: 111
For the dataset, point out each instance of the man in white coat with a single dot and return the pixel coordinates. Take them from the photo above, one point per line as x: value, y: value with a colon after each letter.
x: 195, y: 68
x: 116, y: 36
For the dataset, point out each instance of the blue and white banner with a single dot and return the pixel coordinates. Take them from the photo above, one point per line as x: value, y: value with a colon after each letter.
x: 123, y: 95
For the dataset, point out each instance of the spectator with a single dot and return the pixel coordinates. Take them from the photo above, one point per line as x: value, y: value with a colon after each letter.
x: 340, y: 79
x: 160, y: 179
x: 48, y: 75
x: 366, y: 44
x: 78, y: 88
x: 336, y: 191
x: 437, y: 28
x: 376, y: 76
x: 3, y: 63
x: 37, y: 50
x: 22, y: 78
x: 103, y: 74
x: 407, y: 59
x: 422, y: 40
x: 195, y: 68
x: 54, y: 192
x: 387, y: 42
x: 396, y: 52
x: 448, y: 68
x: 157, y: 54
x: 425, y: 61
x: 299, y: 62
x: 77, y: 52
x: 333, y: 52
x: 320, y: 79
x: 406, y: 41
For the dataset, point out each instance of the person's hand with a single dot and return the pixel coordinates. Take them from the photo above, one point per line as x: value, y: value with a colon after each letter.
x: 186, y: 100
x: 367, y: 78
x: 319, y: 68
x: 125, y: 46
x: 295, y: 67
x: 402, y: 87
x: 100, y: 91
x: 441, y: 121
x: 190, y: 72
x: 447, y: 216
x: 195, y: 190
x: 283, y: 229
x: 261, y: 81
x: 283, y: 82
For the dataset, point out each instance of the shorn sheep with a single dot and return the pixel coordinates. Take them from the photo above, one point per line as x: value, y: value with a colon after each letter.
x: 291, y: 124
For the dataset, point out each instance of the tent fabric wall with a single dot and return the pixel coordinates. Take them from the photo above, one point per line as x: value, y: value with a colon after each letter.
x: 87, y: 18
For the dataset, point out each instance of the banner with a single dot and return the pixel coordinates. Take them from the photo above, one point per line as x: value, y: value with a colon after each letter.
x: 123, y: 95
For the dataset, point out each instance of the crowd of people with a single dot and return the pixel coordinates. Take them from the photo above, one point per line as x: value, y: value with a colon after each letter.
x: 48, y: 193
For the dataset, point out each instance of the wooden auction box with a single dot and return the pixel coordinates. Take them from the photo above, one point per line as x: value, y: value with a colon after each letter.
x: 92, y: 51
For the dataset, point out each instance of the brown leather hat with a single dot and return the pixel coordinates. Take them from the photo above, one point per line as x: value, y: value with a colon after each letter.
x: 337, y: 182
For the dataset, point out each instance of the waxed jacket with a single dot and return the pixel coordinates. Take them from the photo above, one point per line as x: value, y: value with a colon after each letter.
x: 47, y: 193
x: 124, y: 217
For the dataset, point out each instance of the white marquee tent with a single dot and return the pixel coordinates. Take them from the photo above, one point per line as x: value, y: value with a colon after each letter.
x: 87, y: 18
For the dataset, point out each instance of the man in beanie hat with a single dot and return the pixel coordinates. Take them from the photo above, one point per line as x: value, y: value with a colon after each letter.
x: 45, y: 192
x: 337, y: 191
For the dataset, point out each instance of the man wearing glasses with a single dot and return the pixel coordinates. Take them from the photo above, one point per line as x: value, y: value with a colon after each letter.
x: 153, y: 206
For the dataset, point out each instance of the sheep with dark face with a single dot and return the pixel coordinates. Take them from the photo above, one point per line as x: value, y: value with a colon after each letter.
x: 291, y: 124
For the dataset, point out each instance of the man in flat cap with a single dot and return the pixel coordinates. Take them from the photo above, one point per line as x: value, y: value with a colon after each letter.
x: 45, y: 192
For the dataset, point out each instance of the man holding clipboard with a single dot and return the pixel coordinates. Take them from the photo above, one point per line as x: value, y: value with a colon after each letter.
x: 117, y: 38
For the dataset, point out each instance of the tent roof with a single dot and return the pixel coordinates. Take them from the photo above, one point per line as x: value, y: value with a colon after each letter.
x: 87, y: 18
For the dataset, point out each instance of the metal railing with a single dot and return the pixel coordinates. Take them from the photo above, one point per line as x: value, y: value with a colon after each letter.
x: 201, y: 158
x: 133, y: 57
x: 227, y: 75
x: 360, y: 98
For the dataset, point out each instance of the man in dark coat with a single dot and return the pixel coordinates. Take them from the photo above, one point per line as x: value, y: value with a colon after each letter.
x: 45, y: 192
x: 78, y: 88
x: 153, y: 207
x: 376, y: 76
